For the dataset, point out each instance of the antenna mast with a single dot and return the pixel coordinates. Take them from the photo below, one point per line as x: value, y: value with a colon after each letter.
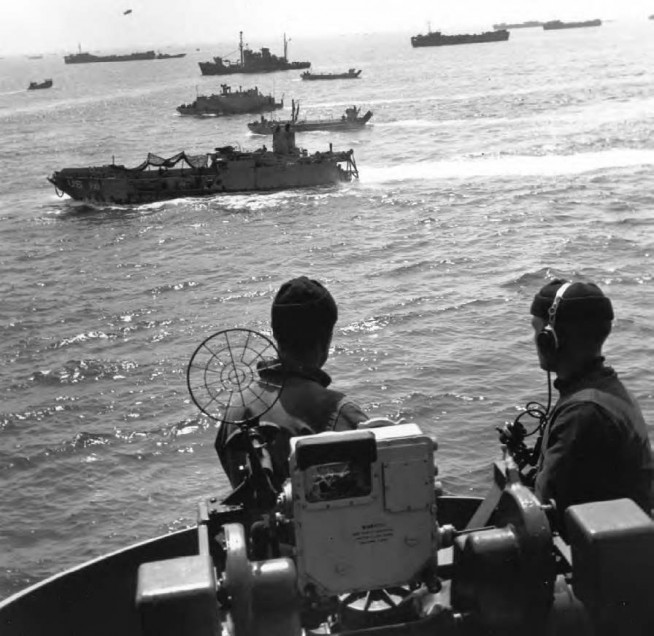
x: 240, y: 45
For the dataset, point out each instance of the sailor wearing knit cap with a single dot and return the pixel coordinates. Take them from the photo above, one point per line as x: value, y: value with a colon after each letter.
x: 595, y: 445
x: 303, y: 316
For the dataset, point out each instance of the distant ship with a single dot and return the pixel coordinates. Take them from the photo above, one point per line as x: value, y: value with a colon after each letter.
x: 229, y: 102
x: 37, y: 85
x: 351, y: 74
x: 436, y: 38
x: 252, y: 62
x: 517, y: 25
x: 169, y: 56
x: 34, y: 57
x: 349, y: 121
x: 557, y: 24
x: 88, y: 58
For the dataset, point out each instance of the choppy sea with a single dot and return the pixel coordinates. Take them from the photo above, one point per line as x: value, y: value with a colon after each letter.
x: 485, y: 171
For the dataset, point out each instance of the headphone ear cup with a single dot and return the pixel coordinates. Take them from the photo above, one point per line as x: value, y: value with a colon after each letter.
x: 547, y: 341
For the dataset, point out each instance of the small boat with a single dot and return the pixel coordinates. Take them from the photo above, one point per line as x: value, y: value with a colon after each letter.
x: 231, y: 102
x: 351, y: 74
x: 252, y: 62
x: 555, y: 25
x: 348, y: 121
x: 436, y: 38
x: 38, y: 85
x: 225, y: 171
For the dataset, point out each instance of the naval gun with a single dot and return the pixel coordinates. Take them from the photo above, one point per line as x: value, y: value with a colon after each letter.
x: 360, y: 540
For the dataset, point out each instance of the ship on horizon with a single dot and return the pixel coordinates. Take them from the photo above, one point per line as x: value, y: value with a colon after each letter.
x: 250, y: 61
x: 436, y: 38
x: 82, y: 57
x: 554, y: 25
x: 529, y: 24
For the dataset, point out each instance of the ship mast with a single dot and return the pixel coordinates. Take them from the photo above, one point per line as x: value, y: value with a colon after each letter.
x: 240, y: 45
x: 285, y: 48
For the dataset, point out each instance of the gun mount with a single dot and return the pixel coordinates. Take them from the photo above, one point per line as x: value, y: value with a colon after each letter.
x: 360, y: 541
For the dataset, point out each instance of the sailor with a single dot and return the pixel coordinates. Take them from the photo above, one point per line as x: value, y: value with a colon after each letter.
x: 303, y: 316
x: 595, y: 444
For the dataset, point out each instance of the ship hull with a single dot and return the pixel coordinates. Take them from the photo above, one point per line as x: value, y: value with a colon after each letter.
x: 88, y: 58
x: 267, y: 127
x: 265, y: 172
x: 35, y: 86
x: 557, y: 25
x: 330, y: 76
x: 219, y: 105
x: 438, y: 39
x: 530, y: 24
x: 215, y: 68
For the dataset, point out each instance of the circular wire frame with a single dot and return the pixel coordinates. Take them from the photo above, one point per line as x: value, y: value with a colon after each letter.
x: 222, y: 375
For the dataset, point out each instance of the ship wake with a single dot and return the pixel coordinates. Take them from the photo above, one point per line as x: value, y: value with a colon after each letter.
x: 514, y: 165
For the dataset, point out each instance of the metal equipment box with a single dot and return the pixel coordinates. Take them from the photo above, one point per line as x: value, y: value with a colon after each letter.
x: 363, y: 508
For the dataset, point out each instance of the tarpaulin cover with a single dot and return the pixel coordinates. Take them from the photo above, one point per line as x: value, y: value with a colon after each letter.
x: 194, y: 161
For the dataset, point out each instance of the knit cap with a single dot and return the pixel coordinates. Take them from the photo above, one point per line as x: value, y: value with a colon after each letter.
x: 303, y: 310
x: 581, y: 303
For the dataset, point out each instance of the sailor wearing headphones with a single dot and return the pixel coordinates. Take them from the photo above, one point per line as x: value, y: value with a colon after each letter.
x: 595, y: 444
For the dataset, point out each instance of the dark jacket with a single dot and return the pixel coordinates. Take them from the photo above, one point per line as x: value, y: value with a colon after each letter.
x: 305, y: 406
x: 595, y: 446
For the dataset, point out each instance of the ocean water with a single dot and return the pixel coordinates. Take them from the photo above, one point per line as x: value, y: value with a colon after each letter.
x: 486, y: 171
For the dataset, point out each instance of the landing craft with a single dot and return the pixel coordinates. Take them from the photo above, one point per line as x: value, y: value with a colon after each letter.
x: 224, y: 171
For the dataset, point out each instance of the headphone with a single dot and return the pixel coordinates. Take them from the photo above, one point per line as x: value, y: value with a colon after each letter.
x: 547, y: 340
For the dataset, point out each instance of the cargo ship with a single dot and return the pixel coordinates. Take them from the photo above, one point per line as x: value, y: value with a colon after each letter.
x: 262, y: 61
x: 554, y: 25
x: 88, y: 58
x: 529, y: 24
x: 229, y: 102
x: 436, y: 38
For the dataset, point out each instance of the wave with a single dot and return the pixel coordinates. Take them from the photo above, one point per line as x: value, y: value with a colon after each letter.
x: 74, y: 371
x: 509, y: 166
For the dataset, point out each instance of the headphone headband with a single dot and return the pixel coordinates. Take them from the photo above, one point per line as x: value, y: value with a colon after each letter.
x: 551, y: 312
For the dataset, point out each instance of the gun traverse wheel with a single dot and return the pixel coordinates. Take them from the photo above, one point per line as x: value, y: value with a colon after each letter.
x: 223, y: 374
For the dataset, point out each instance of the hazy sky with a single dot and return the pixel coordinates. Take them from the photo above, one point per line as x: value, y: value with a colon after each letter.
x: 39, y: 26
